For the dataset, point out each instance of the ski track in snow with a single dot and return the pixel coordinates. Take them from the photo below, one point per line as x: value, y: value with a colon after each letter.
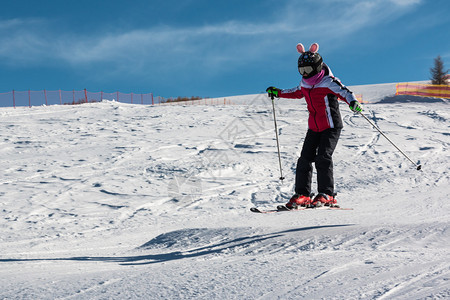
x: 112, y: 200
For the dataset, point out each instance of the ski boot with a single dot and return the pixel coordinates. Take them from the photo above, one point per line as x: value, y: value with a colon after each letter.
x: 325, y: 200
x: 298, y: 200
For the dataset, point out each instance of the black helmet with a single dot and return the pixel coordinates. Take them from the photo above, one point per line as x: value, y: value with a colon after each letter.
x: 310, y: 62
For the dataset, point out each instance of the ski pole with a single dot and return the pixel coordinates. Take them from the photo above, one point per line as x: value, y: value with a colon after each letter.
x: 418, y: 167
x: 276, y: 134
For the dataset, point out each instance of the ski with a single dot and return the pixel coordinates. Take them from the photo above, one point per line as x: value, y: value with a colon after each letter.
x: 282, y: 208
x: 263, y: 211
x: 336, y: 207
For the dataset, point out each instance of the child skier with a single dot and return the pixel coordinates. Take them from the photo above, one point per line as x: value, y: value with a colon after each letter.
x: 321, y: 91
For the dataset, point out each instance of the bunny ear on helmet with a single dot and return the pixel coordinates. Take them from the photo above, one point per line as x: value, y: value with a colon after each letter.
x: 314, y: 48
x: 300, y: 48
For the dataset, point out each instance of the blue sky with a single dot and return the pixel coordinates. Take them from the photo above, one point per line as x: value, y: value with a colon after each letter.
x: 214, y: 48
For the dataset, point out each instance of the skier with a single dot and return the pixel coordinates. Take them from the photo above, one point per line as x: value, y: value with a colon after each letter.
x: 321, y: 91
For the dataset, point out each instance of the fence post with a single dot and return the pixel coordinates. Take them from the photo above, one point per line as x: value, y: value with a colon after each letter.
x: 118, y: 96
x: 101, y: 96
x: 73, y: 92
x: 14, y: 99
x: 151, y: 94
x: 142, y: 99
x: 45, y: 95
x: 85, y: 95
x: 131, y: 98
x: 60, y: 98
x: 29, y: 98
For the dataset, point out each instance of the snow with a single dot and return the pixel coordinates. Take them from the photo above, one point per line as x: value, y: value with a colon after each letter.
x: 111, y: 200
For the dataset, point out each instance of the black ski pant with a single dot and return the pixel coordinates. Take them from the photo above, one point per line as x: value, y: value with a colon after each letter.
x: 318, y: 147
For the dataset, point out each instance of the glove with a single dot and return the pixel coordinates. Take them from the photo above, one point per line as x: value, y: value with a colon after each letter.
x: 355, y: 106
x: 273, y: 92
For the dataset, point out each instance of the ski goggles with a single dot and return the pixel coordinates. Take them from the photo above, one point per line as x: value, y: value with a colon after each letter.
x: 305, y: 70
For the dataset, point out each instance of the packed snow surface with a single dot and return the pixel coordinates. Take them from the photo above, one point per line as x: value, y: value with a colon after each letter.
x: 119, y: 201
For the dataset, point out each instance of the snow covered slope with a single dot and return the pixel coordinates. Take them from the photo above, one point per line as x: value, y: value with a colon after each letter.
x: 110, y: 200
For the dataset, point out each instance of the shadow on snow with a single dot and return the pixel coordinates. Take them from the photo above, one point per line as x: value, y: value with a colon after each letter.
x: 217, y: 248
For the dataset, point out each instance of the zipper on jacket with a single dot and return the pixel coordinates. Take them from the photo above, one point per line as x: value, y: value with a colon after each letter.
x: 315, y: 111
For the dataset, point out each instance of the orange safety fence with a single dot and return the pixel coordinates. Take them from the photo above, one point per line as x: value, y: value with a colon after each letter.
x: 359, y: 97
x: 201, y: 101
x: 44, y: 97
x: 423, y: 90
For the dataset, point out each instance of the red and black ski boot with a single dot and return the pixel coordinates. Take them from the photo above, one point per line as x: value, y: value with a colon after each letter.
x: 298, y: 200
x: 324, y: 200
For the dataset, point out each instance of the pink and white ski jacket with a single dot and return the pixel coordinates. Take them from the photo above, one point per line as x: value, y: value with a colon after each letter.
x: 322, y: 100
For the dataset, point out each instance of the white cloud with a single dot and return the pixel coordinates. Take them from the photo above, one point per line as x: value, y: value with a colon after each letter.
x: 19, y: 43
x: 216, y: 46
x: 406, y: 2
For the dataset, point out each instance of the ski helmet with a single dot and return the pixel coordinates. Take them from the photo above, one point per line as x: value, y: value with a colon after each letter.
x: 310, y: 62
